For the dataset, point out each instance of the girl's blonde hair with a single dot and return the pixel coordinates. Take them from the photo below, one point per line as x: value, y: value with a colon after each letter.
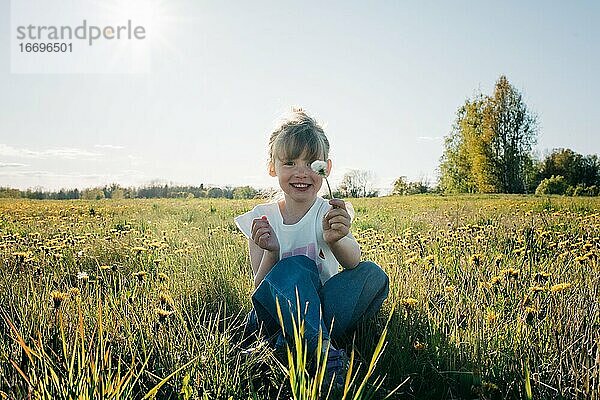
x: 296, y: 134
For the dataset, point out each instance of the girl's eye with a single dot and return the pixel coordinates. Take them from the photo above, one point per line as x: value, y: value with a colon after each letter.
x: 288, y: 163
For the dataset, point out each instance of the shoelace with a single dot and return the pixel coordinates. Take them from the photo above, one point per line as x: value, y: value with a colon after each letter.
x: 336, y: 360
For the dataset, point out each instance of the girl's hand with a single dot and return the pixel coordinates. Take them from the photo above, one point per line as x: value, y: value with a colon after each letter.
x: 263, y: 235
x: 336, y: 223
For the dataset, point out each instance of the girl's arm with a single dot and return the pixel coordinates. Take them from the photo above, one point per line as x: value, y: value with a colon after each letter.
x: 263, y: 247
x: 262, y: 261
x: 347, y: 251
x: 336, y: 232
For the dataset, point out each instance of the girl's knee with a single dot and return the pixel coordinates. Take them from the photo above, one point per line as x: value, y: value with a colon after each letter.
x: 295, y: 266
x: 374, y: 274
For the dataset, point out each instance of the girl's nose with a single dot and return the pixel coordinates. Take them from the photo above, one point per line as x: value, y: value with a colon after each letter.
x: 303, y: 170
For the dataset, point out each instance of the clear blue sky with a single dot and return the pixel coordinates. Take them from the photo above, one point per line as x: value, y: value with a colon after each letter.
x: 385, y: 77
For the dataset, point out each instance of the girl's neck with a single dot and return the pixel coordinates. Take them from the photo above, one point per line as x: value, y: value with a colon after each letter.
x: 292, y: 211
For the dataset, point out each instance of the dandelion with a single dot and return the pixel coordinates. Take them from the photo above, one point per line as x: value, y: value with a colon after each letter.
x: 107, y: 267
x: 165, y: 300
x: 140, y: 275
x: 20, y: 256
x: 430, y: 259
x: 530, y: 314
x: 162, y: 277
x: 475, y: 259
x: 419, y: 346
x: 138, y: 249
x: 320, y: 168
x: 408, y: 302
x: 541, y: 277
x: 58, y: 298
x: 162, y: 314
x: 83, y: 276
x: 74, y: 292
x: 498, y: 261
x: 511, y: 273
x: 491, y: 317
x: 495, y: 280
x: 449, y: 289
x: 560, y: 287
x: 536, y: 289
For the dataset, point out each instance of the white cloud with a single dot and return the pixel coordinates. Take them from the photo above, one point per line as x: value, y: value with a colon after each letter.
x: 11, y: 165
x: 108, y: 146
x: 50, y: 180
x: 429, y: 138
x: 67, y: 153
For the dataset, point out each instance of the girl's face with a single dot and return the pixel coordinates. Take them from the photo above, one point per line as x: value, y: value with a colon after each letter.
x: 297, y: 180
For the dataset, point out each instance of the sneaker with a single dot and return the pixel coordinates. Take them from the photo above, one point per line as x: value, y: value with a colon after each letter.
x: 336, y: 369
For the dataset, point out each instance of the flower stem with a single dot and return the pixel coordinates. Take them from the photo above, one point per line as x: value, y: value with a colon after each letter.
x: 329, y: 187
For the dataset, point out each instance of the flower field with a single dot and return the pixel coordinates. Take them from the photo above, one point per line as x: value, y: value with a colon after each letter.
x: 491, y: 297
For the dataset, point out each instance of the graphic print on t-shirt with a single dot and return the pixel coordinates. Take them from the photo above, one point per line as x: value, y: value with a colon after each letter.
x: 309, y: 251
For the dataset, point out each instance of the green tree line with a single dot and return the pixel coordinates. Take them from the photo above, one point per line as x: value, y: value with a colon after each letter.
x: 490, y: 150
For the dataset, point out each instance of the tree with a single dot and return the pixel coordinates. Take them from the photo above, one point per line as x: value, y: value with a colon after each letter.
x: 214, y: 192
x: 489, y: 149
x: 400, y: 186
x: 403, y: 187
x: 552, y: 185
x: 244, y: 192
x: 574, y: 167
x: 92, y: 194
x: 357, y: 183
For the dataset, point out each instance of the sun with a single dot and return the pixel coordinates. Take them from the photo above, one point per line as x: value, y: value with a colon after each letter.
x: 158, y: 20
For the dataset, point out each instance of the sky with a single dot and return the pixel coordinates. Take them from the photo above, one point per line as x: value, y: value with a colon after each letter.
x: 385, y: 78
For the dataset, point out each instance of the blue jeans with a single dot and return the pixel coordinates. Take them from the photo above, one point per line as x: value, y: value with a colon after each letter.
x: 345, y: 299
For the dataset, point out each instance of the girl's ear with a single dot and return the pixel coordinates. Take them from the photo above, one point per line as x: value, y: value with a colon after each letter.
x: 328, y: 167
x: 272, y: 171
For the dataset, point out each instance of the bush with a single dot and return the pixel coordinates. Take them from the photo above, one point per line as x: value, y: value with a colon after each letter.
x: 552, y: 185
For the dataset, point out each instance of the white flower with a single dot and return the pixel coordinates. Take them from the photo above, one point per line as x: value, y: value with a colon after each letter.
x: 320, y: 167
x: 83, y: 276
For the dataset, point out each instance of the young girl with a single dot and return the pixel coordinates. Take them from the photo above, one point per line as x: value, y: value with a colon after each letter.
x: 298, y: 243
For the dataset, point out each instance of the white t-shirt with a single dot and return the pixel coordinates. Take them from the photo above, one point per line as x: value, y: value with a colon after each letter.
x: 305, y: 237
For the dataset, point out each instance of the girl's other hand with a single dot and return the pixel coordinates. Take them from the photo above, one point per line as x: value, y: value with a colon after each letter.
x: 263, y: 234
x: 336, y: 223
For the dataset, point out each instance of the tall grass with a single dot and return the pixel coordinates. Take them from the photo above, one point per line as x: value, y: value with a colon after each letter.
x: 491, y: 297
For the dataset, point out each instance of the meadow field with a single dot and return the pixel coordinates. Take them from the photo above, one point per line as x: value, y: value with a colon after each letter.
x: 491, y: 297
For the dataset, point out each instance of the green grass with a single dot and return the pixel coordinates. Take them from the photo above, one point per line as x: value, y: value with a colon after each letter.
x: 472, y: 312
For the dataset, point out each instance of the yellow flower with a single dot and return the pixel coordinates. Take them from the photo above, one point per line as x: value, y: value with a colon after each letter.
x: 58, y: 297
x: 511, y: 273
x: 498, y: 260
x: 541, y: 276
x: 165, y: 300
x: 491, y: 316
x: 536, y: 289
x: 495, y: 280
x: 476, y: 259
x: 430, y: 259
x: 419, y: 346
x: 560, y: 287
x: 530, y: 314
x: 162, y: 314
x: 138, y: 249
x: 140, y: 275
x: 449, y: 289
x: 162, y: 277
x: 408, y: 302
